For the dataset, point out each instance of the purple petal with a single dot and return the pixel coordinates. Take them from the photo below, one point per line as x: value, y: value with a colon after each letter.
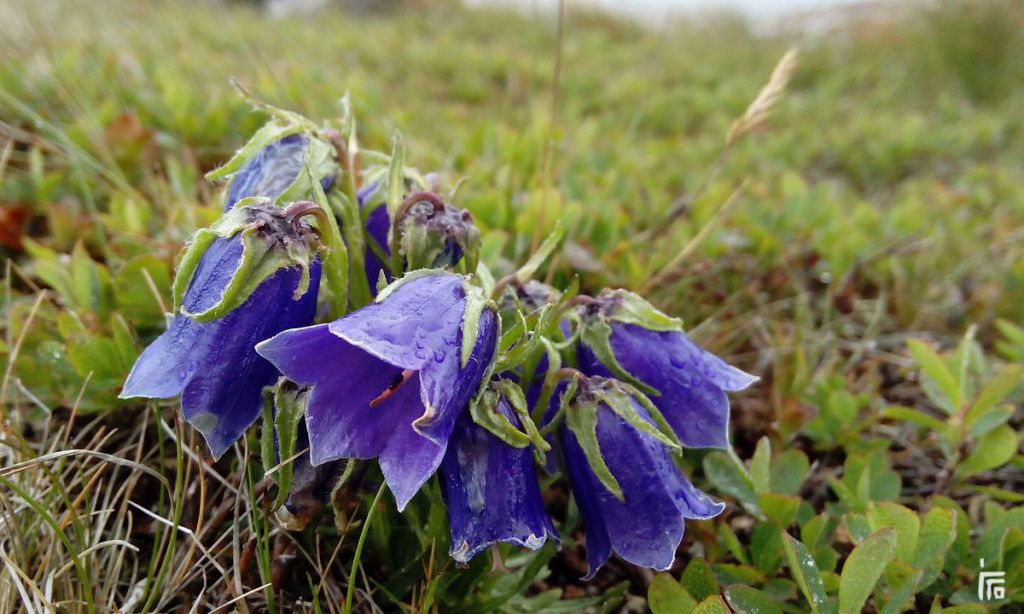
x: 223, y: 397
x: 387, y: 379
x: 378, y: 225
x: 692, y: 382
x: 418, y: 322
x: 164, y: 367
x: 647, y: 526
x: 272, y: 171
x: 492, y: 492
x: 345, y: 379
x: 446, y: 387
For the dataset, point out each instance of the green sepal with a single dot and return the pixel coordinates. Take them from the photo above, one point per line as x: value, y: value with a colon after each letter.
x: 563, y: 406
x: 617, y: 398
x: 596, y: 333
x: 514, y: 395
x: 319, y: 163
x: 551, y: 378
x: 335, y: 264
x: 631, y: 308
x: 581, y: 420
x: 484, y: 411
x: 652, y: 410
x: 476, y: 302
x: 192, y: 255
x: 282, y: 415
x: 258, y: 263
x: 271, y: 132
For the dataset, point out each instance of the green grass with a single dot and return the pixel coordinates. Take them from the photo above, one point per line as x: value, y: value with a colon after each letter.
x: 882, y: 203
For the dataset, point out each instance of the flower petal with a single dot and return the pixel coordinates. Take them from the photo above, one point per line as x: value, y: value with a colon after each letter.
x: 492, y: 492
x: 646, y: 527
x: 166, y: 365
x: 271, y: 172
x: 691, y: 381
x: 223, y: 396
x: 418, y: 322
x: 446, y: 388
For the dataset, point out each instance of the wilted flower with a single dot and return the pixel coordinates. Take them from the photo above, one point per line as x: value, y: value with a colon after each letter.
x: 491, y: 490
x: 637, y: 500
x: 391, y: 379
x: 624, y: 336
x: 250, y: 276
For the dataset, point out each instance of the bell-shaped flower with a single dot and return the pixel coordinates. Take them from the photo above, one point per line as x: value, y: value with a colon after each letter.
x: 247, y: 278
x: 390, y: 380
x: 491, y: 488
x: 272, y: 165
x: 623, y: 336
x: 633, y: 498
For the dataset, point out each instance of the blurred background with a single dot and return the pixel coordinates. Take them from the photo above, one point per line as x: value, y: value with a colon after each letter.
x: 880, y: 199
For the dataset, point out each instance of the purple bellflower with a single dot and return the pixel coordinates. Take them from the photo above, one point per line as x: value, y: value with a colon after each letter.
x: 247, y: 278
x: 632, y: 497
x: 390, y: 380
x: 623, y: 336
x: 491, y: 490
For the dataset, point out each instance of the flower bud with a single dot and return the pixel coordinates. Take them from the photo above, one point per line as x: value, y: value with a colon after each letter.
x: 431, y: 233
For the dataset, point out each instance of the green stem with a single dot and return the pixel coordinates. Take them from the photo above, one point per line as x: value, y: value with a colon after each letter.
x: 350, y: 594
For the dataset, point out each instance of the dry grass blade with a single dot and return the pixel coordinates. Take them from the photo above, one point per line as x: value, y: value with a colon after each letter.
x: 758, y: 110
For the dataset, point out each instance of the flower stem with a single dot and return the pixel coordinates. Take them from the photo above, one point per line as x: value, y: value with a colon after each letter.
x: 350, y: 593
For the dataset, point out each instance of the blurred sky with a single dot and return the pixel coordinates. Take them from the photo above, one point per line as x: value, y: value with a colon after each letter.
x: 656, y: 10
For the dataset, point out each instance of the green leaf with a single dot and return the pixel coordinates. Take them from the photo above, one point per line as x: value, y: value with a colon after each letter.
x: 789, y: 470
x: 766, y: 547
x: 938, y: 532
x: 985, y: 423
x: 902, y: 580
x: 748, y: 600
x: 666, y: 596
x: 904, y: 521
x: 863, y: 568
x: 620, y: 403
x: 712, y: 605
x: 699, y: 580
x: 805, y: 571
x: 993, y: 450
x: 997, y: 389
x: 780, y: 509
x: 596, y: 334
x: 914, y: 416
x: 934, y: 367
x: 760, y: 466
